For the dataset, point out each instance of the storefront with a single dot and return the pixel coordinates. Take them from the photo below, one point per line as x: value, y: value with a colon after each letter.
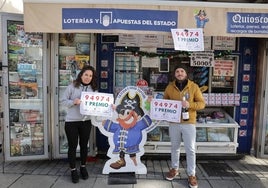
x: 132, y: 40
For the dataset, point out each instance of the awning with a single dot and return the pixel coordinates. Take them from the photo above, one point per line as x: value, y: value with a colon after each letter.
x: 216, y: 19
x: 11, y: 6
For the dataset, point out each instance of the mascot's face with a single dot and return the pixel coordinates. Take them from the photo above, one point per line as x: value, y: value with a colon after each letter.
x: 129, y: 111
x: 202, y: 15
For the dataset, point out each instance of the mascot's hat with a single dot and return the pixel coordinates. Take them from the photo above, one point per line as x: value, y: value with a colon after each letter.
x: 129, y: 103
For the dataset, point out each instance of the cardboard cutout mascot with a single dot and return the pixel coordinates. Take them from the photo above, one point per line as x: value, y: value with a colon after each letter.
x: 127, y: 133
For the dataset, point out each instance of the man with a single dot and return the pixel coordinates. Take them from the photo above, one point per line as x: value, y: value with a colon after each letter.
x: 186, y: 130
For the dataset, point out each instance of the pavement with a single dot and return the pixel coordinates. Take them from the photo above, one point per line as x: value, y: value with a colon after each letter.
x: 245, y: 172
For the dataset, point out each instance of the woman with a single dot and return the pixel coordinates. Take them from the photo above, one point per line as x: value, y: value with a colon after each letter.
x: 77, y: 126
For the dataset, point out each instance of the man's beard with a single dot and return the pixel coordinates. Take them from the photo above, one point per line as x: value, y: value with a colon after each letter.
x: 179, y: 81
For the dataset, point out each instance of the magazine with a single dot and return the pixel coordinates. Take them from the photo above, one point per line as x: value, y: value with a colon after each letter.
x: 81, y: 61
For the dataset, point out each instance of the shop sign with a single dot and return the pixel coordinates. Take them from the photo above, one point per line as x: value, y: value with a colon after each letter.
x: 128, y: 40
x: 247, y: 23
x: 114, y: 19
x: 224, y: 68
x: 168, y: 41
x: 152, y: 62
x: 168, y: 110
x: 151, y: 40
x: 223, y: 43
x: 145, y: 18
x: 146, y: 41
x: 202, y: 59
x: 96, y: 104
x: 109, y: 38
x: 188, y: 39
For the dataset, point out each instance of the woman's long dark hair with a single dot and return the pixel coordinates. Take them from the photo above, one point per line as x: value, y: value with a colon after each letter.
x: 93, y: 83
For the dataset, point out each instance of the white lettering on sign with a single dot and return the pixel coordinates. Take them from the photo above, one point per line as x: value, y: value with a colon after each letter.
x: 165, y: 23
x: 78, y: 20
x: 238, y: 18
x: 125, y: 21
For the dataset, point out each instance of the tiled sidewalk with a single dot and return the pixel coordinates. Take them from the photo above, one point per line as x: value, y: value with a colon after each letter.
x: 247, y: 172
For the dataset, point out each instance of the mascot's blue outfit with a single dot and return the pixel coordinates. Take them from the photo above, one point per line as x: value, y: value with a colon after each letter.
x: 127, y: 140
x: 127, y: 131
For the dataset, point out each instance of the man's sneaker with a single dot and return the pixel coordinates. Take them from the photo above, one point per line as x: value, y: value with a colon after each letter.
x: 192, y: 181
x: 75, y: 176
x: 83, y: 172
x: 172, y: 174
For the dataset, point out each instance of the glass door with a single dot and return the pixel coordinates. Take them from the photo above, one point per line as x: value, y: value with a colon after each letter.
x: 73, y: 52
x: 25, y: 114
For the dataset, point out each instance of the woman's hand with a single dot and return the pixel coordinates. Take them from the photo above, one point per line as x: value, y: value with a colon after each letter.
x: 113, y: 106
x: 77, y: 101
